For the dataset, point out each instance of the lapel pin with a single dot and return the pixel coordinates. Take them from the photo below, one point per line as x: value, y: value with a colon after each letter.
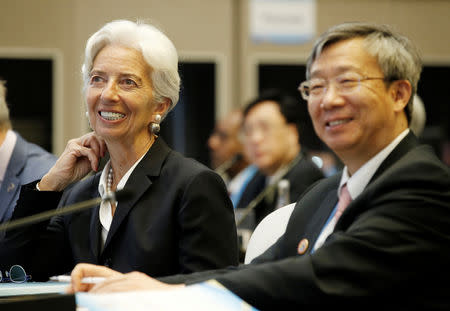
x: 302, y: 246
x: 11, y: 187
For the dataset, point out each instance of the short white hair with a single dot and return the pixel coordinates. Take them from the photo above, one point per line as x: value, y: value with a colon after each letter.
x: 156, y: 48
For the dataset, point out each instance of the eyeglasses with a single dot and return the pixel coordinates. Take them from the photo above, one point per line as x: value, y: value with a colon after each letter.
x: 263, y: 128
x: 16, y: 274
x: 316, y: 88
x: 221, y: 135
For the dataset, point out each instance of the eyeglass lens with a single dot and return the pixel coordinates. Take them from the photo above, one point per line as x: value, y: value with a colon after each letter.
x: 16, y: 274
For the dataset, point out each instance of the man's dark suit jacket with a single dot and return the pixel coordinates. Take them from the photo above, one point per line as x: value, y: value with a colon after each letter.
x: 178, y: 220
x: 301, y: 176
x: 28, y: 162
x: 389, y: 249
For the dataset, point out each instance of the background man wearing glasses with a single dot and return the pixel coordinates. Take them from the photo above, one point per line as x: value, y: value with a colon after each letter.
x: 390, y: 246
x: 271, y: 135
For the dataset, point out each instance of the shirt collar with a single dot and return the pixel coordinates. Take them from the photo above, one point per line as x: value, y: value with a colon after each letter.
x: 122, y: 182
x: 6, y: 150
x: 358, y: 181
x: 103, y: 177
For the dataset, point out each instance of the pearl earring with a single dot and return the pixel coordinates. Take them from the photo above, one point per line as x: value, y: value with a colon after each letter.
x: 155, y: 125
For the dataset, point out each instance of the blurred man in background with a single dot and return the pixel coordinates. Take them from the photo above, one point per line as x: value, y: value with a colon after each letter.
x: 271, y: 135
x: 20, y: 161
x: 226, y: 154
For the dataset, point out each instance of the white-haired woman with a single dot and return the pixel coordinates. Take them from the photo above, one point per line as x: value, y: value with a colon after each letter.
x: 179, y: 218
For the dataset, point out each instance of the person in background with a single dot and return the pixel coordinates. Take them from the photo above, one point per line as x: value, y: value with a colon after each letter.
x: 227, y: 156
x: 387, y: 247
x: 418, y: 116
x: 271, y: 135
x: 21, y: 162
x: 178, y: 219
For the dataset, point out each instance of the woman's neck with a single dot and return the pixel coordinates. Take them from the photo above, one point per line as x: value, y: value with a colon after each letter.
x: 123, y: 156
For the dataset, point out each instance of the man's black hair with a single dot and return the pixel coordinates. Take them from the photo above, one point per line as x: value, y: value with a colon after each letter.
x: 288, y: 104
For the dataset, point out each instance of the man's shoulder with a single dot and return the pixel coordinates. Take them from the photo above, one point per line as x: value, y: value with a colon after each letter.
x: 34, y: 153
x: 30, y: 161
x: 412, y: 190
x: 419, y: 164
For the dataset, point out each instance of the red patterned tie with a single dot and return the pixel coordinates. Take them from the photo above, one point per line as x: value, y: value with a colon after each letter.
x: 344, y: 200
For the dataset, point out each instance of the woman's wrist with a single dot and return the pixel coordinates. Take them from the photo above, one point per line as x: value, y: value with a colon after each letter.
x: 46, y: 184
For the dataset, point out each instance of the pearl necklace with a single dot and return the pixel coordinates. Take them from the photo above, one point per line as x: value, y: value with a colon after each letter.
x: 109, y: 180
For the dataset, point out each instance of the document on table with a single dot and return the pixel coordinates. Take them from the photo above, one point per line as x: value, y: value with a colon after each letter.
x: 32, y: 288
x: 203, y: 296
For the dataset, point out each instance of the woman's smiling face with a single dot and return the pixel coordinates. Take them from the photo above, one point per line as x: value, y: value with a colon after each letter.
x: 119, y: 95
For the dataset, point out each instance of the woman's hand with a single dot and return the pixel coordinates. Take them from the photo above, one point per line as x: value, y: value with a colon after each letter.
x: 133, y: 281
x: 115, y: 281
x: 80, y: 156
x: 83, y: 270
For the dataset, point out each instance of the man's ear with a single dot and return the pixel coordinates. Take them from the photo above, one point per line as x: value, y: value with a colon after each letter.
x: 401, y: 93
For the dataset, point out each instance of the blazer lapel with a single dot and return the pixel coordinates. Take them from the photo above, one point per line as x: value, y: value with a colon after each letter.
x: 10, y: 188
x: 95, y: 226
x: 310, y: 215
x: 358, y: 206
x: 139, y: 181
x: 124, y: 206
x: 319, y: 219
x: 409, y: 142
x: 11, y: 182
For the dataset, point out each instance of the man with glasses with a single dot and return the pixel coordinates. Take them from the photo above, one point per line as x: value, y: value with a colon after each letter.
x: 389, y: 247
x: 271, y: 135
